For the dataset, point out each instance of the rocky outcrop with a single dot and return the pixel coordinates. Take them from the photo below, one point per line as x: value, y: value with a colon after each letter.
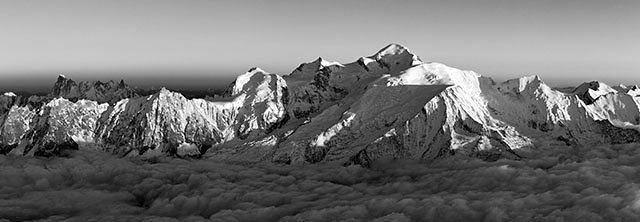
x: 15, y: 125
x: 6, y: 102
x: 310, y: 87
x: 57, y: 127
x: 102, y: 92
x: 162, y: 123
x: 589, y: 92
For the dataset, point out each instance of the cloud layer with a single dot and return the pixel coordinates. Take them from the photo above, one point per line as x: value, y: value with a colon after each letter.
x: 550, y: 184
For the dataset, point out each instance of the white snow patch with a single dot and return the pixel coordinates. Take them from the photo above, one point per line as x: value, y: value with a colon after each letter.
x: 325, y: 63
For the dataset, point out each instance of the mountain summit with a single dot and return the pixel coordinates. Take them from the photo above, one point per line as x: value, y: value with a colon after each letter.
x: 390, y: 105
x: 110, y: 92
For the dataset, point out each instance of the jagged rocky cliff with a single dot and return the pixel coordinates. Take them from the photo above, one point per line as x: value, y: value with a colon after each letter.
x: 388, y: 105
x: 110, y: 92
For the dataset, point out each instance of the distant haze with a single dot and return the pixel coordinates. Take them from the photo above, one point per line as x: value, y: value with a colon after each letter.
x: 205, y: 44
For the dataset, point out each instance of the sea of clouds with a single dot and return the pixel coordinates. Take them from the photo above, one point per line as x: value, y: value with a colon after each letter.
x: 551, y: 184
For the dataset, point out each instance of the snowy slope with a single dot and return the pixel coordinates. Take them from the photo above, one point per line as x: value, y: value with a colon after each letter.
x: 58, y: 125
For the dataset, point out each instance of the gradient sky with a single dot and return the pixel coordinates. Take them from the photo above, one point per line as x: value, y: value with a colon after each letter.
x: 202, y: 44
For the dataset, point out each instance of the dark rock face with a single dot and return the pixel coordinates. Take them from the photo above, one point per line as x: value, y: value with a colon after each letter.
x: 617, y: 135
x: 53, y: 148
x: 6, y: 148
x: 101, y: 92
x: 362, y: 159
x: 33, y: 102
x: 63, y: 86
x: 396, y: 58
x: 308, y: 97
x: 6, y: 102
x: 315, y: 154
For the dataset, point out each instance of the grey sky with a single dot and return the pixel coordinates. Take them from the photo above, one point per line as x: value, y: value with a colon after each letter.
x: 159, y: 42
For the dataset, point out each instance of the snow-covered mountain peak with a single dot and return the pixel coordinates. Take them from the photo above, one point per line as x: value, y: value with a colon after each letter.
x: 532, y: 79
x: 438, y: 74
x: 424, y: 74
x: 632, y: 87
x: 164, y: 91
x: 392, y: 49
x: 255, y: 70
x: 249, y: 80
x: 395, y: 58
x: 524, y: 84
x: 593, y: 85
x: 63, y: 78
x: 632, y: 90
x: 308, y: 70
x: 327, y: 63
x: 589, y: 92
x: 56, y: 101
x: 7, y: 100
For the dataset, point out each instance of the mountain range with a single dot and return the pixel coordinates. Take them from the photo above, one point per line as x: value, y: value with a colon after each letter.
x: 390, y: 105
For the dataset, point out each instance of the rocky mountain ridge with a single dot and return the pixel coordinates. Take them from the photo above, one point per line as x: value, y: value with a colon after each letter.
x: 101, y: 92
x: 390, y: 105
